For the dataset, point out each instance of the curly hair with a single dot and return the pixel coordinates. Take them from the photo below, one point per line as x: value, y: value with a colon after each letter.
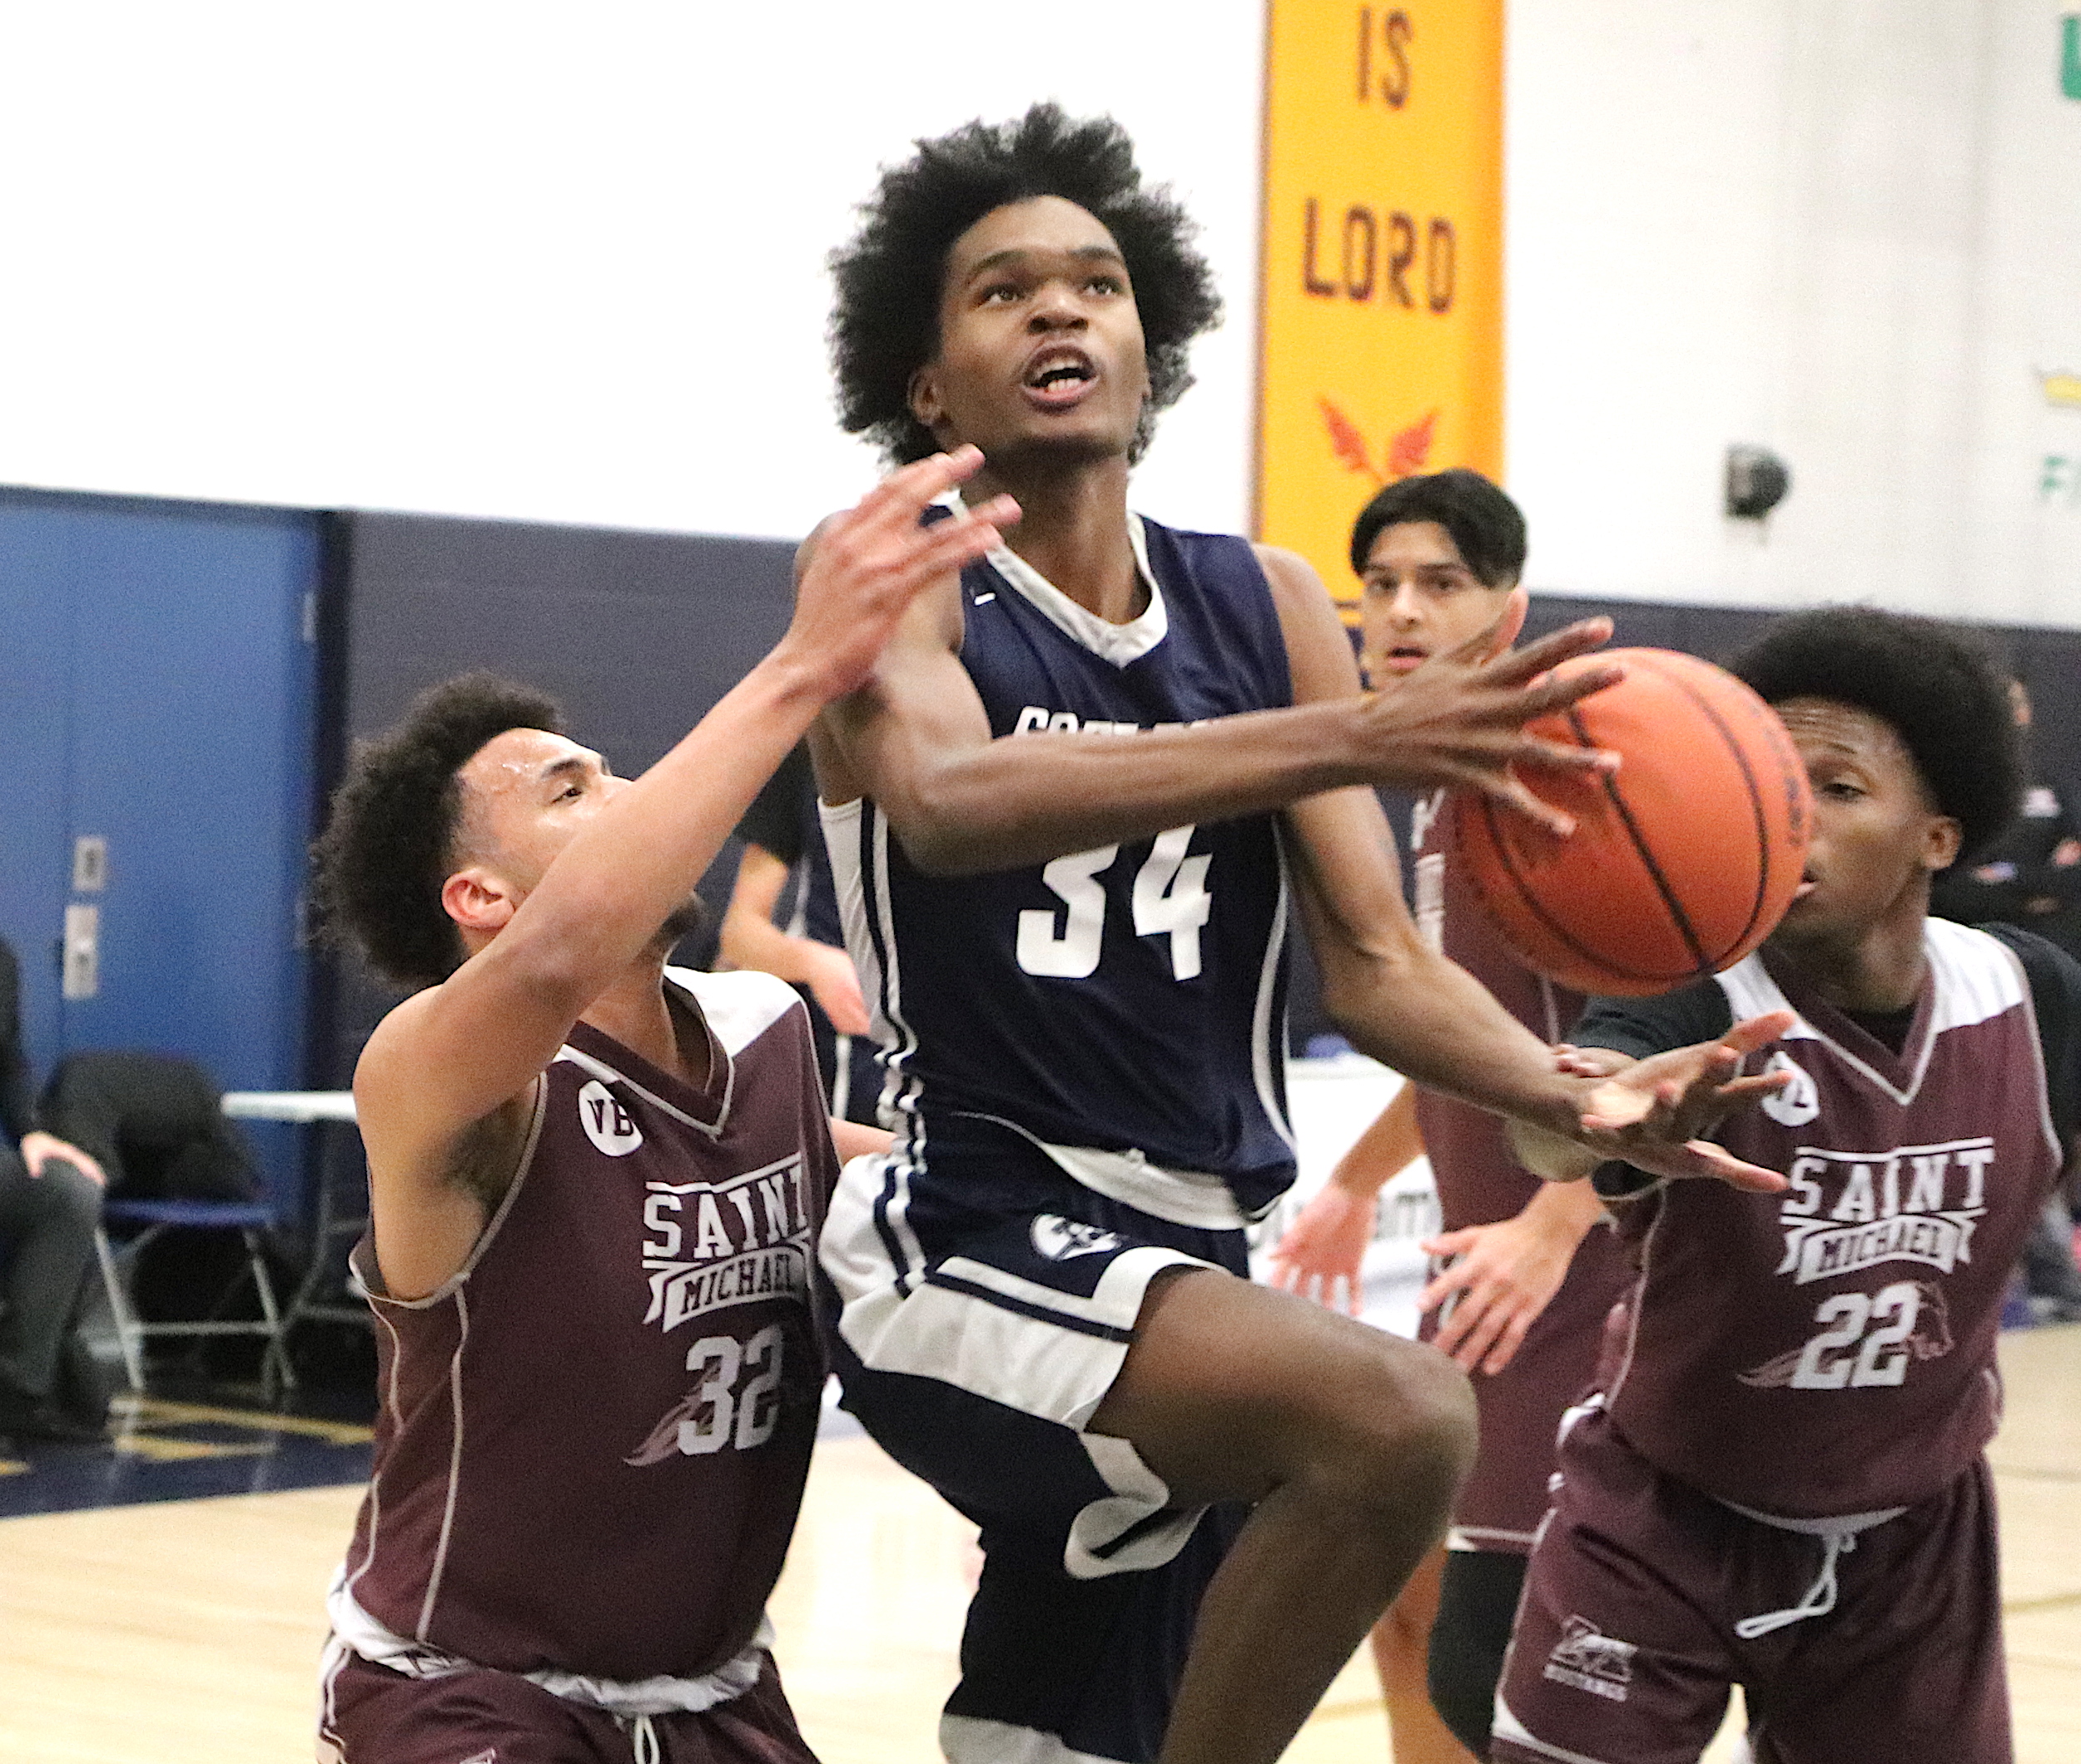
x: 885, y: 326
x: 390, y: 842
x: 1940, y: 692
x: 1487, y: 526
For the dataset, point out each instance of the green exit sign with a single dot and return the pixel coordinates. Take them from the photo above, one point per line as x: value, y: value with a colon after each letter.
x: 2070, y: 55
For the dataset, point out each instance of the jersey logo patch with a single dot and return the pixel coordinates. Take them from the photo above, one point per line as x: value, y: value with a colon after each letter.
x: 1586, y: 1660
x: 606, y: 1122
x: 722, y: 1243
x: 1063, y: 1240
x: 1845, y: 1211
x: 1798, y: 1102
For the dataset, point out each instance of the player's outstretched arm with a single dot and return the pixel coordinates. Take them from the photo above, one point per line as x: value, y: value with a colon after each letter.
x: 1323, y: 1249
x: 916, y: 739
x: 1430, y: 1020
x: 448, y: 1056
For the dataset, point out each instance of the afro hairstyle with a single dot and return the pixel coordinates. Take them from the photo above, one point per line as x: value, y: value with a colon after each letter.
x: 389, y: 844
x: 1487, y: 526
x: 1940, y: 692
x: 885, y: 326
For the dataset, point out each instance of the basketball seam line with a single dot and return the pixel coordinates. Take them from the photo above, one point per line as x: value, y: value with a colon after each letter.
x: 1756, y: 798
x: 1597, y: 958
x: 1685, y: 928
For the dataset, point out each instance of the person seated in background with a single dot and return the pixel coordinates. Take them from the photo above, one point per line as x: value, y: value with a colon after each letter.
x: 155, y: 1123
x: 50, y: 1203
x: 784, y: 919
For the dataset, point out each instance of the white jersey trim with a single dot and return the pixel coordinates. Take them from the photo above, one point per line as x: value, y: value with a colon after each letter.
x: 740, y: 1007
x: 362, y: 1635
x: 1508, y: 1726
x: 1183, y: 1197
x: 1118, y: 644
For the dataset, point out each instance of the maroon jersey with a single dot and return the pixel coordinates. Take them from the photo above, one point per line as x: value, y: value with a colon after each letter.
x: 1830, y: 1351
x: 1479, y: 1182
x: 593, y: 1438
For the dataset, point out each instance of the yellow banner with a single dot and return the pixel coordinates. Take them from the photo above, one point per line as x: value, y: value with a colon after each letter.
x: 1381, y: 341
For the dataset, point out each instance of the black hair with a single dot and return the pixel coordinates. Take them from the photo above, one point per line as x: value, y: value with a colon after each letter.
x: 1488, y: 528
x: 885, y: 326
x: 1941, y: 692
x: 389, y: 842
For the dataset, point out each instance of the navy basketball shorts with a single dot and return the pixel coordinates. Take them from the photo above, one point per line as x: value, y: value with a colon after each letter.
x: 1640, y: 1588
x: 974, y: 1341
x: 372, y: 1715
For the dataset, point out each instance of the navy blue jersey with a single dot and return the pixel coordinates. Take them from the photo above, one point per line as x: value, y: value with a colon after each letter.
x: 1129, y: 1000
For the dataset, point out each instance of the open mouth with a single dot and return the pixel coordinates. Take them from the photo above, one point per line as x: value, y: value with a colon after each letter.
x: 1806, y: 887
x: 1404, y: 659
x: 1058, y: 376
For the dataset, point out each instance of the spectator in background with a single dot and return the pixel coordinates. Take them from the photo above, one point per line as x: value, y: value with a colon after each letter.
x: 783, y: 920
x: 50, y: 1203
x: 2032, y: 876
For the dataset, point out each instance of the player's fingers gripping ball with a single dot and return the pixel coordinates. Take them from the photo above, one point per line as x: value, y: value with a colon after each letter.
x: 1682, y: 861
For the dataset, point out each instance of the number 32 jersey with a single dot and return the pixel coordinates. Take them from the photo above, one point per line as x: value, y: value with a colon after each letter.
x: 1829, y: 1350
x: 1129, y: 999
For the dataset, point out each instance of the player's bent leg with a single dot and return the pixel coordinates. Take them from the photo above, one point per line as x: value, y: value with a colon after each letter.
x: 1478, y: 1604
x: 1621, y: 1650
x: 1350, y: 1443
x: 1401, y: 1648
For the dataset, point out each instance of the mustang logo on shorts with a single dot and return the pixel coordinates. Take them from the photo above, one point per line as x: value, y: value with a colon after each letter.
x: 1589, y: 1660
x: 1060, y: 1239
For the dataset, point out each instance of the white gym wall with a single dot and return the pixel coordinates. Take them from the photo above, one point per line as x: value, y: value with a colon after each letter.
x: 567, y: 265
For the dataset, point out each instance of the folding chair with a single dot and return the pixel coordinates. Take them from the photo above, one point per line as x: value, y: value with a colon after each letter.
x: 155, y: 1218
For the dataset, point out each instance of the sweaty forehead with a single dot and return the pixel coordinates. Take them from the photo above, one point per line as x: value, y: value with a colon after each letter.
x: 1041, y: 227
x: 515, y: 760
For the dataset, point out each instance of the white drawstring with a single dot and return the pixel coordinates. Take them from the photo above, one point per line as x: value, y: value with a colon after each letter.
x: 1839, y: 1537
x: 642, y: 1739
x: 1819, y: 1600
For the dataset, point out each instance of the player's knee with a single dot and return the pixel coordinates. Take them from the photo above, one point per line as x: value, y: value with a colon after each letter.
x: 1399, y: 1429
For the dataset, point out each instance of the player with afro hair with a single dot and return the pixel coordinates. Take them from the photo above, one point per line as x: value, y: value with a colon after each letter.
x: 881, y: 334
x: 1940, y: 692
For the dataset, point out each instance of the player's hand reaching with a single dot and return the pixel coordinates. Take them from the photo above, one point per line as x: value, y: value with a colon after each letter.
x: 835, y: 983
x: 1501, y: 1277
x: 869, y: 564
x: 1318, y: 1257
x: 1654, y: 1113
x: 1459, y: 720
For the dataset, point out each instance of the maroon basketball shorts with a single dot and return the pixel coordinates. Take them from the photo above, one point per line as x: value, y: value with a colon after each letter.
x: 1640, y: 1590
x: 372, y: 1715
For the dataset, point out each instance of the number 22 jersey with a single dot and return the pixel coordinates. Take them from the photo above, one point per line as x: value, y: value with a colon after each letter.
x: 1829, y: 1350
x: 1129, y: 999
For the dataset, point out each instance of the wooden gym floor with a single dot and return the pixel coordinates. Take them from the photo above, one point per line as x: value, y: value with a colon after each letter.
x: 188, y: 1632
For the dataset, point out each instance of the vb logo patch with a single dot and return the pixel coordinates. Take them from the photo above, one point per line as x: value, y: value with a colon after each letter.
x: 1586, y: 1660
x: 1063, y: 1240
x: 1798, y: 1102
x: 606, y: 1122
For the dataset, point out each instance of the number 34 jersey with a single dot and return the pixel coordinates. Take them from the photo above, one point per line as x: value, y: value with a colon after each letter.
x: 1829, y: 1350
x: 1129, y: 999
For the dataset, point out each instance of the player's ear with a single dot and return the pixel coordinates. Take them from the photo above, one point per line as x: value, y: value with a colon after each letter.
x: 1941, y: 841
x: 478, y: 900
x: 922, y: 394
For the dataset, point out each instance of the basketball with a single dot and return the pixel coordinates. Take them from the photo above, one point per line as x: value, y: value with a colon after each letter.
x: 1681, y: 862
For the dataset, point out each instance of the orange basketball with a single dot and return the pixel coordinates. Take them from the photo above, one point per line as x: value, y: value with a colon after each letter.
x: 1681, y: 862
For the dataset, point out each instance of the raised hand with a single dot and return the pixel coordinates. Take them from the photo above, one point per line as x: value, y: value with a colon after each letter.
x: 868, y: 564
x: 1322, y: 1247
x: 1654, y: 1113
x: 1500, y: 1277
x: 1459, y: 720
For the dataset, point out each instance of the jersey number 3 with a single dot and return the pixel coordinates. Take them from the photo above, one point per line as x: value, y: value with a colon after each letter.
x: 1169, y: 896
